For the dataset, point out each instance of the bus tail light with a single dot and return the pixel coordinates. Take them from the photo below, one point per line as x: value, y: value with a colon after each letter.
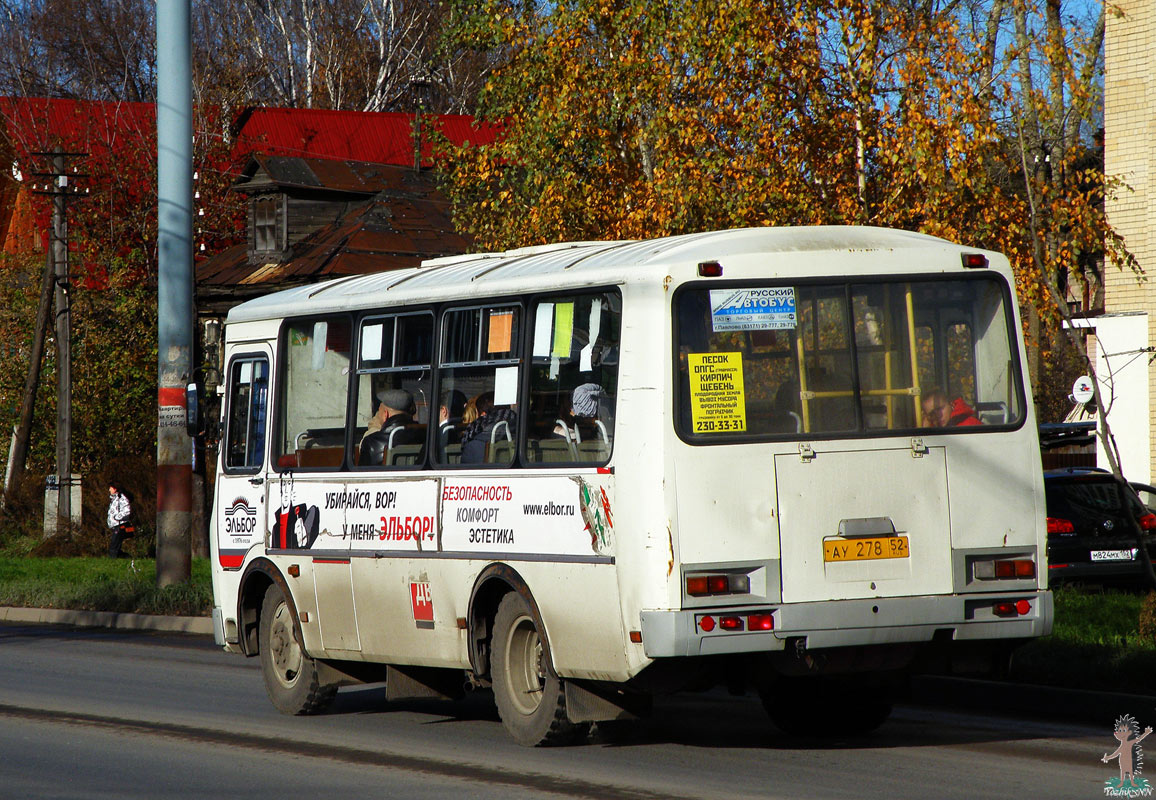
x: 760, y: 622
x: 1004, y: 569
x: 1012, y: 608
x: 731, y: 622
x: 1147, y: 522
x: 710, y: 269
x: 722, y: 583
x: 1058, y: 525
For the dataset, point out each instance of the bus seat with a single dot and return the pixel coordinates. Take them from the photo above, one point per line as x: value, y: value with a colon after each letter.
x: 405, y: 455
x: 500, y: 452
x: 593, y: 451
x: 552, y: 450
x: 321, y: 457
x: 501, y: 428
x: 602, y: 431
x: 453, y: 453
x: 992, y: 413
x: 570, y: 434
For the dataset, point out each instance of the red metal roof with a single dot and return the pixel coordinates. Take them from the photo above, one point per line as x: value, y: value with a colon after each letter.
x: 38, y: 124
x: 380, y: 138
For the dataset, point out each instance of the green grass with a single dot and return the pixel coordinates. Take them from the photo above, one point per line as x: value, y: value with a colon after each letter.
x: 1096, y: 644
x: 102, y: 584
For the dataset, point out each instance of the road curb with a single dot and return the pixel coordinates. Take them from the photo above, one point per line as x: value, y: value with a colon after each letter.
x: 108, y: 619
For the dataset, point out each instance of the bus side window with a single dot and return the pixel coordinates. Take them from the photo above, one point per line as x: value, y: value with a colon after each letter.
x: 313, y: 393
x: 480, y: 369
x: 393, y: 387
x: 573, y: 378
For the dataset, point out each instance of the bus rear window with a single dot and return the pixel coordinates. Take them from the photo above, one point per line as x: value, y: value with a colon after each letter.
x: 844, y: 359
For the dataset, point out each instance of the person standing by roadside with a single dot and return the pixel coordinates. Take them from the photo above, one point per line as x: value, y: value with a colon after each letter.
x: 119, y: 519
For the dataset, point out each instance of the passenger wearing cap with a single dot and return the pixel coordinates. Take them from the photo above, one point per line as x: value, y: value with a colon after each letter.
x: 394, y: 420
x: 583, y: 414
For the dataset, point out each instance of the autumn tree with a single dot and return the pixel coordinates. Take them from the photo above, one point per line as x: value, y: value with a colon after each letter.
x: 102, y: 50
x: 628, y: 119
x: 364, y: 55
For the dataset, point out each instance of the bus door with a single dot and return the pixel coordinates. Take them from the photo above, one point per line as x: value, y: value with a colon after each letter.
x: 310, y: 500
x: 241, y: 485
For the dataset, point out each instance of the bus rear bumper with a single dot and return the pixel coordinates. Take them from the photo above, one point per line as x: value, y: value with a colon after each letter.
x: 849, y: 623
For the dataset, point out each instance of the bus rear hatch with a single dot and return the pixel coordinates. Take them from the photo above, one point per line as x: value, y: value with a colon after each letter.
x: 859, y: 524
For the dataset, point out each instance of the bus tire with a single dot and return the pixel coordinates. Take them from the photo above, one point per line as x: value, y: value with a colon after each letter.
x: 291, y: 676
x: 530, y: 697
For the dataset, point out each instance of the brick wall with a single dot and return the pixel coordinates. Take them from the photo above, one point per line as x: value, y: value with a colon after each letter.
x: 1130, y: 154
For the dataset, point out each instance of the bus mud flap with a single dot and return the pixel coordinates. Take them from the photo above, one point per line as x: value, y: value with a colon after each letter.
x: 590, y: 701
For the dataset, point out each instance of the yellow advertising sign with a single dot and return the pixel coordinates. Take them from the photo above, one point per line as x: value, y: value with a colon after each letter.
x: 717, y: 403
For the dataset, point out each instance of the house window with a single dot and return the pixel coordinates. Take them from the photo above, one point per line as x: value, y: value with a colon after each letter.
x: 268, y: 224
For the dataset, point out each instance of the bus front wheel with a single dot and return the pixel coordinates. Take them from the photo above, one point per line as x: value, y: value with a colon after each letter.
x: 291, y: 677
x: 530, y: 697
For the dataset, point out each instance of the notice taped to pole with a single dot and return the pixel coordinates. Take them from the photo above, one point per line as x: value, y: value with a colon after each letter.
x: 717, y: 403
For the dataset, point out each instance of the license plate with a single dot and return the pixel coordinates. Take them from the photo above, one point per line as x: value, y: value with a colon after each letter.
x: 1113, y: 555
x: 865, y: 549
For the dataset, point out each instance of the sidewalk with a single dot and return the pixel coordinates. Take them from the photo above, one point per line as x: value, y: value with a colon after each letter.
x: 108, y: 619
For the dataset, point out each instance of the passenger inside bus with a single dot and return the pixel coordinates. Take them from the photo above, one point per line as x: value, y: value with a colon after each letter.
x: 939, y: 412
x: 581, y: 424
x: 493, y: 424
x: 450, y: 410
x: 391, y: 425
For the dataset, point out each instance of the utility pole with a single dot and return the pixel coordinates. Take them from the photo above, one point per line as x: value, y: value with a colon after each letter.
x: 18, y: 457
x: 174, y: 288
x: 62, y: 187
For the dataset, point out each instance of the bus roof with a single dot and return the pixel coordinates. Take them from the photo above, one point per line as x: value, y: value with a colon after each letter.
x: 547, y: 266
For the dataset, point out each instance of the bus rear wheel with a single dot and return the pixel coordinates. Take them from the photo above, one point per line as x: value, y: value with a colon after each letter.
x: 530, y: 697
x: 291, y: 676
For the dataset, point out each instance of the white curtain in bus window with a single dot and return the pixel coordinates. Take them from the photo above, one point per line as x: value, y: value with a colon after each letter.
x: 314, y: 388
x: 573, y: 378
x: 371, y: 340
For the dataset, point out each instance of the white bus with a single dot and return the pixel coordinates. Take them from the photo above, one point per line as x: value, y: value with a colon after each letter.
x: 797, y: 460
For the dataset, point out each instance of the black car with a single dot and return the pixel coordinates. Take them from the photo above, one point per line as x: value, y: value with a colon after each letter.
x: 1090, y: 537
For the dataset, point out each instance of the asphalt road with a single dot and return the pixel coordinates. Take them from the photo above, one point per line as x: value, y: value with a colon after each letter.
x: 95, y: 713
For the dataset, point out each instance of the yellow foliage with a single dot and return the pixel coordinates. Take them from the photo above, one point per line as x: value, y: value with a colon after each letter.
x: 631, y: 119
